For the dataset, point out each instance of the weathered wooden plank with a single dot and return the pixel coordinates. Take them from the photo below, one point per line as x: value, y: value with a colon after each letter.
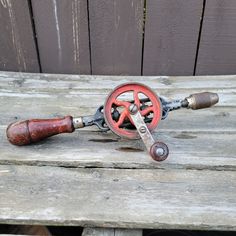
x: 107, y: 83
x: 171, y: 36
x: 17, y: 45
x: 41, y: 98
x: 62, y: 34
x: 111, y: 232
x: 116, y: 29
x: 140, y: 198
x: 209, y: 120
x: 197, y: 139
x: 91, y: 99
x: 188, y: 150
x: 217, y: 52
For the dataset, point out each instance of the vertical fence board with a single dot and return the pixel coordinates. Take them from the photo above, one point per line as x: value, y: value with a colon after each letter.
x: 171, y: 36
x: 62, y: 32
x: 116, y: 28
x: 217, y: 51
x: 17, y: 45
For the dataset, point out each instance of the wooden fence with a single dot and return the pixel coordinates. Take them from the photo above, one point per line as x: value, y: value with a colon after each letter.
x: 121, y: 37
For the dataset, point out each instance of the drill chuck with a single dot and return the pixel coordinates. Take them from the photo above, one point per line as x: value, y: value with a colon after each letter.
x: 200, y: 100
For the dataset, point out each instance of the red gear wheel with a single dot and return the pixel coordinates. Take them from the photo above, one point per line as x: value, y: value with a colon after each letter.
x: 112, y: 102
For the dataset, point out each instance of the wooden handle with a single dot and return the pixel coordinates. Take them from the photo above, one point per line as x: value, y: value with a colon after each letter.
x: 30, y: 131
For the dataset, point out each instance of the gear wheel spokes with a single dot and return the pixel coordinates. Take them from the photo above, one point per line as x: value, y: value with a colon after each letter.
x: 149, y: 107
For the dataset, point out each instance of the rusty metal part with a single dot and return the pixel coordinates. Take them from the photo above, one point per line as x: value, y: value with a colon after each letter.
x: 168, y: 106
x: 150, y: 106
x: 159, y: 151
x: 97, y: 119
x: 202, y: 100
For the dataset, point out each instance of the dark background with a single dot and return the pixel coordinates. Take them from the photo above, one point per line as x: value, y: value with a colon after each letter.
x: 119, y: 37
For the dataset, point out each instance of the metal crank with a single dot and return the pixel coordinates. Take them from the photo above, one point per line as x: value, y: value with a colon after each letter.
x: 144, y: 112
x: 131, y: 111
x: 139, y: 106
x: 158, y: 150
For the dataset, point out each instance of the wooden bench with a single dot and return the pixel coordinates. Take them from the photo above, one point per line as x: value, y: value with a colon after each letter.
x: 95, y: 179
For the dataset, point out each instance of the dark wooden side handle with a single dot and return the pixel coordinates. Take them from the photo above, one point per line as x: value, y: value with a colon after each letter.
x: 30, y: 131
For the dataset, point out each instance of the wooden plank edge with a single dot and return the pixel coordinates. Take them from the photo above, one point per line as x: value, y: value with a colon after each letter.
x: 82, y: 77
x: 114, y: 224
x: 112, y: 165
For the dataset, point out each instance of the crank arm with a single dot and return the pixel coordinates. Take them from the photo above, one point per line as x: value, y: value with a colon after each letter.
x: 158, y: 150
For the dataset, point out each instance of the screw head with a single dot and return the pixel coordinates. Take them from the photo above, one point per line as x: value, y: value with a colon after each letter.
x: 142, y: 129
x: 160, y: 151
x: 133, y: 109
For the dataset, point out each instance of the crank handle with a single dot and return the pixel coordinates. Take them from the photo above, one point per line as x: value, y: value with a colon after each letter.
x: 158, y: 150
x: 31, y: 131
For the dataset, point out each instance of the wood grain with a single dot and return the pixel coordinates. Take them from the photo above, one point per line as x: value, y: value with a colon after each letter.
x: 30, y: 131
x: 188, y: 150
x: 171, y: 36
x: 217, y: 52
x: 169, y: 199
x: 117, y: 185
x: 17, y: 45
x: 202, y: 139
x: 116, y: 29
x: 62, y: 35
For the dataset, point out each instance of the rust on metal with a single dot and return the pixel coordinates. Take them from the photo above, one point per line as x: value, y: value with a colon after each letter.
x: 202, y: 100
x: 159, y: 151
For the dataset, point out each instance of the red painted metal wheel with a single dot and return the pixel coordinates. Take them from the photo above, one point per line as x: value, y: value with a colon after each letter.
x: 116, y: 109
